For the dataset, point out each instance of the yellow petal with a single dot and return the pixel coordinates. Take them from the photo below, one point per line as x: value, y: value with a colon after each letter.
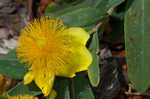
x: 72, y: 56
x: 28, y: 78
x: 52, y: 95
x: 77, y: 60
x: 78, y: 35
x: 22, y: 97
x: 44, y: 80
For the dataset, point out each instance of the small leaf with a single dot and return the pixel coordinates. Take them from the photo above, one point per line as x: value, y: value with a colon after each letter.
x: 22, y: 89
x: 93, y: 71
x: 11, y: 67
x: 62, y: 88
x: 81, y: 87
x: 3, y: 97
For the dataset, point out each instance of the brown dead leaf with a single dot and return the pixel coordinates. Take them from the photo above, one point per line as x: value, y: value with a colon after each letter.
x: 1, y: 80
x: 43, y: 5
x: 30, y: 4
x: 124, y: 67
x: 108, y: 28
x: 122, y: 53
x: 6, y: 84
x: 19, y: 2
x: 136, y: 97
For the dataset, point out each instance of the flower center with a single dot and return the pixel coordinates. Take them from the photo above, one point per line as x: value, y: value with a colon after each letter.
x: 39, y: 42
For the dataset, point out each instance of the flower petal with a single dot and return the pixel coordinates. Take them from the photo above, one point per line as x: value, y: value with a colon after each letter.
x: 78, y: 35
x: 72, y: 56
x: 77, y: 60
x: 44, y: 79
x: 28, y: 78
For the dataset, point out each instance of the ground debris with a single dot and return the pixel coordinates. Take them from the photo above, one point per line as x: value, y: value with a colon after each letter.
x: 13, y: 18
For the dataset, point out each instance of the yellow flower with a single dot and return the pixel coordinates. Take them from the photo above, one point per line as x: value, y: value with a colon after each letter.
x: 49, y: 50
x: 1, y: 79
x: 22, y: 97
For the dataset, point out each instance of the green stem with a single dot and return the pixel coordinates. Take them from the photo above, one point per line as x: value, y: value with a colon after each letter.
x: 72, y: 91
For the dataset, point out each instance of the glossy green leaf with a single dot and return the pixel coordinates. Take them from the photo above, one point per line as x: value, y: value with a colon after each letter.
x: 93, y: 71
x: 137, y: 38
x: 22, y: 89
x: 62, y: 88
x: 81, y: 87
x: 10, y: 66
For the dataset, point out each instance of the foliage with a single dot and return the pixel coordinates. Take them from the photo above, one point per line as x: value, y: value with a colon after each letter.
x: 137, y: 47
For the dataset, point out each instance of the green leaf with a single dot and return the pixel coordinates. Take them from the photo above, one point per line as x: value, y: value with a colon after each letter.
x: 81, y: 87
x: 137, y: 38
x: 3, y: 97
x: 10, y: 66
x: 119, y: 12
x: 105, y: 5
x: 66, y: 7
x: 81, y: 16
x: 84, y: 13
x: 22, y: 89
x: 93, y: 71
x: 62, y: 88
